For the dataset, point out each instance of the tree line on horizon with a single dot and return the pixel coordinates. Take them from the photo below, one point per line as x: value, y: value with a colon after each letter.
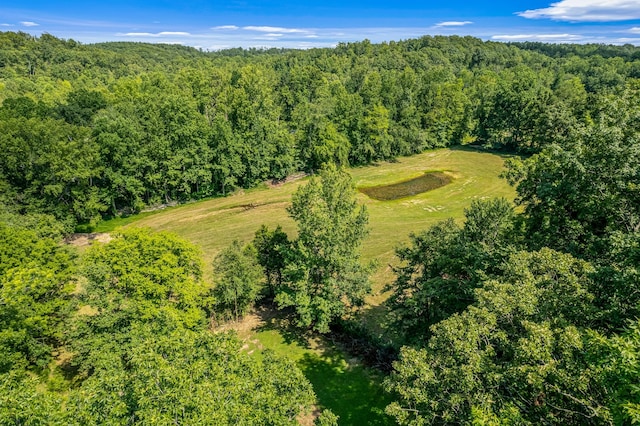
x: 95, y: 131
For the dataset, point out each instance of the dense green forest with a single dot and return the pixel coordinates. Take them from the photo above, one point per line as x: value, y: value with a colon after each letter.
x: 99, y: 130
x: 521, y: 314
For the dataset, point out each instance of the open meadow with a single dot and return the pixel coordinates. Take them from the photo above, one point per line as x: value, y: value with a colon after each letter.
x: 350, y: 390
x: 214, y: 223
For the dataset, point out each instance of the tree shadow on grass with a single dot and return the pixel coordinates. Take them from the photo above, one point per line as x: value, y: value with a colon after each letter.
x: 349, y: 391
x: 280, y: 321
x: 342, y: 385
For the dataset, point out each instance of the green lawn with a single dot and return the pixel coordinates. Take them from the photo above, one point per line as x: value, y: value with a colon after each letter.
x: 212, y: 224
x: 348, y: 389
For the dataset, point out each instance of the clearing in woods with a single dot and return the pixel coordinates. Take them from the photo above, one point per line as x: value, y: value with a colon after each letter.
x: 351, y: 391
x: 214, y: 223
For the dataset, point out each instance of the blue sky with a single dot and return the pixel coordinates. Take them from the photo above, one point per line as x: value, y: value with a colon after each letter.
x: 213, y: 25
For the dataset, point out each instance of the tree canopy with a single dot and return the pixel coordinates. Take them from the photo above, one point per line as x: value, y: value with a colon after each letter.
x: 91, y: 131
x: 519, y: 314
x: 325, y: 277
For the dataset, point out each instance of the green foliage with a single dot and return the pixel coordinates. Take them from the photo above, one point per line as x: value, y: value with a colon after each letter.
x: 516, y: 114
x: 21, y: 402
x: 91, y: 131
x: 583, y: 198
x: 44, y: 225
x: 142, y: 352
x: 81, y: 106
x: 138, y: 277
x: 51, y: 165
x: 515, y: 356
x: 239, y: 279
x: 147, y: 124
x: 327, y: 418
x: 273, y: 249
x: 36, y: 281
x: 443, y: 265
x: 577, y: 194
x: 619, y: 356
x: 325, y: 278
x: 189, y: 377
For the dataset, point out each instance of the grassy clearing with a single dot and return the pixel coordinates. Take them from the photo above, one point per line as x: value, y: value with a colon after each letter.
x: 407, y: 188
x: 348, y: 389
x: 213, y: 224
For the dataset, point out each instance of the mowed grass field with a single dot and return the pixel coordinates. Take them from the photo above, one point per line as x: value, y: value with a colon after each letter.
x: 213, y: 224
x: 349, y: 390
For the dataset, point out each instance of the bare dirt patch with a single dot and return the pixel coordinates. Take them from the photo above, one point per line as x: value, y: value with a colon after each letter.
x: 291, y: 178
x: 159, y: 207
x: 245, y: 326
x: 309, y: 418
x: 85, y: 240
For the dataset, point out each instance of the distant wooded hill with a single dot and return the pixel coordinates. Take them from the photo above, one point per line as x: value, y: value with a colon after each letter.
x: 89, y: 131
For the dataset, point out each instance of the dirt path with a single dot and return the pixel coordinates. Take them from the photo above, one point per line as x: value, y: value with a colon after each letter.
x: 85, y: 240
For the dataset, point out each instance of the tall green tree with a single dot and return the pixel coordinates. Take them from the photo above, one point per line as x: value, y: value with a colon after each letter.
x: 325, y: 278
x: 189, y: 377
x: 274, y: 250
x: 239, y: 279
x: 619, y: 356
x: 519, y: 355
x: 36, y: 281
x: 137, y: 278
x: 443, y: 265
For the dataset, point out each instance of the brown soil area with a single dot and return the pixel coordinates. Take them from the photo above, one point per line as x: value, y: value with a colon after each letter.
x: 290, y: 178
x: 85, y: 240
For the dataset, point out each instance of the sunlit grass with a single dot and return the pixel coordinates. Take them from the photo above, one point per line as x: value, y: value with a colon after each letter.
x: 213, y: 224
x: 347, y: 388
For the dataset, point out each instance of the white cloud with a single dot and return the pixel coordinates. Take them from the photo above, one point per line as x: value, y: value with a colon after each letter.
x: 225, y: 27
x: 214, y: 47
x: 160, y: 34
x: 267, y: 29
x: 273, y: 35
x: 6, y: 25
x: 453, y: 24
x: 137, y: 35
x: 173, y: 33
x: 557, y: 38
x: 587, y: 11
x: 29, y: 24
x: 634, y: 30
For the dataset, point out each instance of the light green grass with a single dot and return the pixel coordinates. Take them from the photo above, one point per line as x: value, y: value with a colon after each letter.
x: 349, y: 390
x: 118, y: 222
x: 213, y: 224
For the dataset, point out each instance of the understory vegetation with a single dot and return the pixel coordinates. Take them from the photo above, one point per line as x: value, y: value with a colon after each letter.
x: 518, y: 312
